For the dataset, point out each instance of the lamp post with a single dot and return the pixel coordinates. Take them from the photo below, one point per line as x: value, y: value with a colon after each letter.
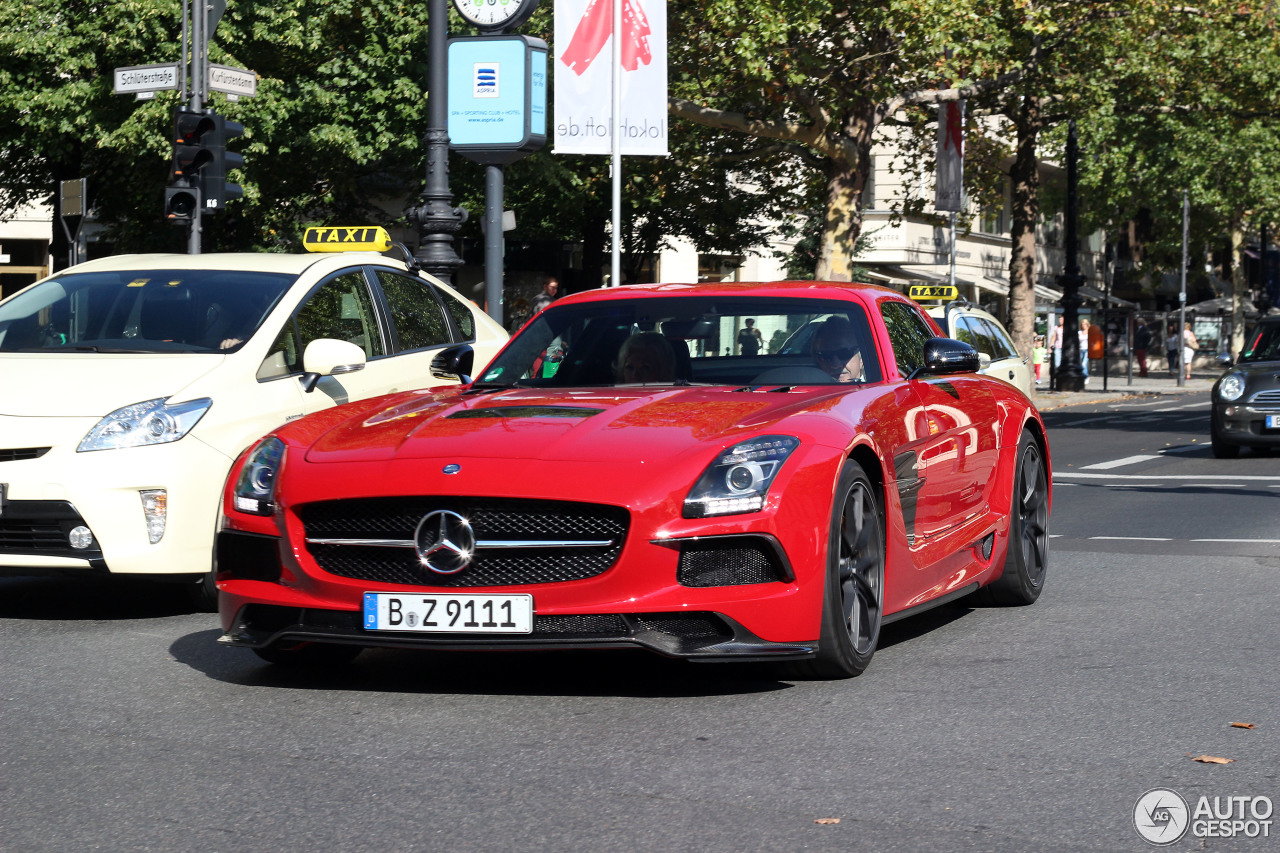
x: 1070, y: 374
x: 437, y: 219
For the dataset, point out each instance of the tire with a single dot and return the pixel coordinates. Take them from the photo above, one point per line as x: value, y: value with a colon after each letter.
x: 1221, y: 449
x: 1027, y: 559
x: 309, y: 655
x: 853, y: 596
x: 204, y: 593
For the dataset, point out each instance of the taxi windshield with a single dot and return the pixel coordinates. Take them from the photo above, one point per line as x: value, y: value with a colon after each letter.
x: 690, y: 340
x: 141, y: 311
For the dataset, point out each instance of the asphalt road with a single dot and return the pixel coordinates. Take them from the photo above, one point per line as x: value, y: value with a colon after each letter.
x: 124, y: 727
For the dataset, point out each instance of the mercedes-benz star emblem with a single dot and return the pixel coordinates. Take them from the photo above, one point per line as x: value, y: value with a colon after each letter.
x: 444, y: 542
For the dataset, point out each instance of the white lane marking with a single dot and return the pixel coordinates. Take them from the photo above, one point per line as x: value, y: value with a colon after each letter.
x: 1250, y: 541
x: 1180, y: 408
x: 1185, y: 448
x: 1092, y: 420
x: 1116, y: 463
x: 1134, y: 538
x: 1201, y: 477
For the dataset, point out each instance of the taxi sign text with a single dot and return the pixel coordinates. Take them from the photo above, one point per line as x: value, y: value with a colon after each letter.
x: 933, y: 291
x: 346, y: 240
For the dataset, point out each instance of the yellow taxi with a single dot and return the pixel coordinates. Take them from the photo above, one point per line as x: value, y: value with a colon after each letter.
x: 129, y: 385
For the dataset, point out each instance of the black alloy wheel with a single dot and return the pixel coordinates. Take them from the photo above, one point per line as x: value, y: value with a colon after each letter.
x: 853, y: 600
x: 1027, y: 559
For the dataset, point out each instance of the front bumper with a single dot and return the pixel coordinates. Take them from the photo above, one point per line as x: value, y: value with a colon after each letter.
x: 699, y: 636
x: 1245, y: 425
x: 49, y: 493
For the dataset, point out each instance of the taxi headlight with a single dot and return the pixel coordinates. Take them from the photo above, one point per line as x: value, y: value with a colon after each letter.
x: 255, y: 491
x: 1231, y: 388
x: 738, y: 480
x: 153, y: 422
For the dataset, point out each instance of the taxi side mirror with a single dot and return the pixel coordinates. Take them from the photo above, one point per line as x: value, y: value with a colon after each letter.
x: 329, y: 357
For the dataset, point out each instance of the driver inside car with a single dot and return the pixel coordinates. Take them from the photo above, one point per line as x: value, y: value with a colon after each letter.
x: 835, y: 351
x: 646, y: 357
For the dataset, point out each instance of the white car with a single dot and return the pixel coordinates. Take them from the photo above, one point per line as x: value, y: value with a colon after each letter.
x: 129, y: 385
x: 997, y: 356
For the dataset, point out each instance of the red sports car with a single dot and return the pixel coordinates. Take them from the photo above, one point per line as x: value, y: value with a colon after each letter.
x: 634, y: 470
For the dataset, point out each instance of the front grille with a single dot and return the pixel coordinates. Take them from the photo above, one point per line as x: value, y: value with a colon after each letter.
x: 1266, y: 398
x: 694, y: 626
x: 491, y: 519
x: 17, y: 453
x: 729, y: 561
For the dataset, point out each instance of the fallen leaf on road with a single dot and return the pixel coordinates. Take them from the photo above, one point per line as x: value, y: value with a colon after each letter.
x: 1242, y: 725
x: 827, y: 821
x: 1212, y: 759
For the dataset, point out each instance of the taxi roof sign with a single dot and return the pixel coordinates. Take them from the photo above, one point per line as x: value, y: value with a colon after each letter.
x: 921, y: 292
x: 362, y: 239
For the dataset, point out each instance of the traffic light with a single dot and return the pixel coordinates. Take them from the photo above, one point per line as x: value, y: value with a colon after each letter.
x: 193, y: 135
x: 215, y: 188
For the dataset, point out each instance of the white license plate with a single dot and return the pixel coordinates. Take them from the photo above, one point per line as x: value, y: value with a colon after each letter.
x: 1273, y: 421
x: 448, y: 614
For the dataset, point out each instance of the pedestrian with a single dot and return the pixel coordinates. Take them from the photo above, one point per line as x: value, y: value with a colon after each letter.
x: 1189, y: 347
x: 749, y: 338
x: 1141, y: 343
x: 1084, y: 350
x: 1171, y: 347
x: 550, y: 287
x: 1055, y: 347
x: 1038, y: 354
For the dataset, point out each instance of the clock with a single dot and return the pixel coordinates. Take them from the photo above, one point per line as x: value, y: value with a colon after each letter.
x: 496, y: 16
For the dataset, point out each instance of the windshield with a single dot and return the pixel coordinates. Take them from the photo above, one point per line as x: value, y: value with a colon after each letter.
x: 140, y: 311
x: 1264, y: 345
x: 691, y: 340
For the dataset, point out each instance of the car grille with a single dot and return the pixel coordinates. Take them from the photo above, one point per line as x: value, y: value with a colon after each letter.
x: 1266, y: 398
x: 396, y: 519
x: 731, y: 561
x: 42, y: 528
x: 18, y: 453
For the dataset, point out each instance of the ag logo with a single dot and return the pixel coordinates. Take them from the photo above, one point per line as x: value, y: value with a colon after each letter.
x: 1161, y: 816
x: 445, y: 542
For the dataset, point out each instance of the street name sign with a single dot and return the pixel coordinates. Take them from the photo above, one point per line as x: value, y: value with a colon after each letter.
x: 233, y: 81
x: 146, y: 78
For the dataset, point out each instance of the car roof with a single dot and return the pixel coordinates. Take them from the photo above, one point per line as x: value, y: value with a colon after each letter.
x: 294, y: 263
x: 810, y: 289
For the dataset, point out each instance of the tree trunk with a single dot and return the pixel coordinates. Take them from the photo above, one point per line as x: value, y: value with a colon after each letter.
x: 1239, y: 284
x: 842, y: 222
x: 1025, y: 178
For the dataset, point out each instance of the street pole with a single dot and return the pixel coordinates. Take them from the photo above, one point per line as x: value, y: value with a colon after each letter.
x: 493, y: 241
x: 1070, y: 374
x: 437, y: 219
x: 1182, y: 294
x: 199, y: 41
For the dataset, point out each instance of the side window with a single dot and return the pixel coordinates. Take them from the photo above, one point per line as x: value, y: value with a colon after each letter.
x: 964, y: 332
x: 419, y: 322
x: 908, y: 332
x: 341, y: 309
x: 981, y: 332
x: 460, y: 313
x: 1002, y: 347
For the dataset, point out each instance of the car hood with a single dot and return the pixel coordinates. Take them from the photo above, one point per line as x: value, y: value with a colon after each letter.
x: 93, y: 384
x: 580, y: 426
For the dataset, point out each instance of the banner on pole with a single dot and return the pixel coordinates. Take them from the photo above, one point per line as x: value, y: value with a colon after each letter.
x: 583, y: 83
x: 949, y: 187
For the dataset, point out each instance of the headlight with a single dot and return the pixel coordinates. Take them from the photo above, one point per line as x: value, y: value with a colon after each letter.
x: 738, y: 480
x: 152, y: 422
x: 256, y: 486
x: 1231, y: 388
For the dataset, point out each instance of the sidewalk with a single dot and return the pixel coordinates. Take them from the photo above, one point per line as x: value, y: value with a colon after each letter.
x: 1118, y: 388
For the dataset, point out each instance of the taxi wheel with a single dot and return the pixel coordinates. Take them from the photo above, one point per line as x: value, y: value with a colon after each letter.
x: 204, y: 593
x: 1027, y: 559
x: 853, y: 601
x: 309, y: 655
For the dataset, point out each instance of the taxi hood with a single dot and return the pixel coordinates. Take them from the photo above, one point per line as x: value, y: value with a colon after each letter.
x: 93, y: 384
x: 596, y: 425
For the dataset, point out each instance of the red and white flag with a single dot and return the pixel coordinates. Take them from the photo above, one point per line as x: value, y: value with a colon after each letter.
x: 584, y: 84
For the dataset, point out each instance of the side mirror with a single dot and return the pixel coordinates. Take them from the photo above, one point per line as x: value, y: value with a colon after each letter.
x: 984, y: 361
x: 454, y: 363
x: 329, y: 357
x: 947, y: 355
x: 1224, y: 359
